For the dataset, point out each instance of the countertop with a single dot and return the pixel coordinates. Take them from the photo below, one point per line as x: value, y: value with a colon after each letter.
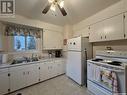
x: 8, y: 65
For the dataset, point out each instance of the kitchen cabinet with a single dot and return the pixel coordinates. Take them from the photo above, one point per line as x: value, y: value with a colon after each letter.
x: 51, y: 68
x: 22, y: 76
x: 108, y: 30
x: 125, y: 5
x: 60, y: 67
x: 32, y: 74
x: 114, y: 28
x: 17, y: 77
x: 44, y: 71
x: 83, y: 32
x: 4, y: 81
x: 125, y: 21
x: 52, y: 39
x: 96, y: 32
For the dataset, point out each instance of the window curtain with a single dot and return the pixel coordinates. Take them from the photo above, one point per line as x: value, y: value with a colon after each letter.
x: 14, y: 31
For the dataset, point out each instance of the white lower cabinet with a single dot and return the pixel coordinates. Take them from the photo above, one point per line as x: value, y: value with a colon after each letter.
x: 50, y: 69
x: 22, y: 76
x: 44, y: 71
x: 4, y: 81
x: 60, y: 67
x: 17, y: 77
x: 32, y: 74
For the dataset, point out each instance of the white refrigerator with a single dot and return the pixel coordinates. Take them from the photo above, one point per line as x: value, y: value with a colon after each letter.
x: 79, y: 50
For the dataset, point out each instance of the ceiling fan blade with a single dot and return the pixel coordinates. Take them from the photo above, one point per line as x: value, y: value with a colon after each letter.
x: 47, y: 8
x: 64, y: 13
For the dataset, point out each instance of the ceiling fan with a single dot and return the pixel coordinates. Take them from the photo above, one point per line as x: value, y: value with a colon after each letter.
x: 52, y: 4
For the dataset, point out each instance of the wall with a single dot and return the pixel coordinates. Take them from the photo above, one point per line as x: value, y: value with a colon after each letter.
x: 120, y: 45
x: 7, y: 41
x: 31, y: 22
x: 68, y: 32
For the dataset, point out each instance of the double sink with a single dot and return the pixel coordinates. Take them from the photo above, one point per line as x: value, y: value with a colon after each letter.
x: 24, y: 59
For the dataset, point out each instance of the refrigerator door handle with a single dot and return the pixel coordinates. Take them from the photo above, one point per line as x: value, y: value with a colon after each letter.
x: 85, y: 53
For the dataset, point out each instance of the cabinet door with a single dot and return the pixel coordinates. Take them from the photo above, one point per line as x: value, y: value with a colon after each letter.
x: 32, y: 74
x: 96, y: 32
x: 17, y: 78
x: 52, y: 40
x: 113, y: 28
x: 44, y: 72
x: 125, y: 25
x: 4, y: 81
x: 83, y: 32
x: 125, y: 5
x: 60, y: 67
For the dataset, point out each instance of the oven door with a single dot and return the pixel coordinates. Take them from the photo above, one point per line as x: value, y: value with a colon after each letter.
x: 109, y: 78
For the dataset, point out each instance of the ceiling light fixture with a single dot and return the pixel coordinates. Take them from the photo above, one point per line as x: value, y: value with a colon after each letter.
x: 62, y: 4
x: 53, y: 8
x: 53, y: 4
x: 51, y: 1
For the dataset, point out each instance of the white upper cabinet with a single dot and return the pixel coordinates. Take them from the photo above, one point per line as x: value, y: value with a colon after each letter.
x: 83, y: 32
x: 113, y: 28
x: 125, y: 25
x: 96, y: 32
x: 108, y: 30
x: 52, y: 39
x: 125, y: 5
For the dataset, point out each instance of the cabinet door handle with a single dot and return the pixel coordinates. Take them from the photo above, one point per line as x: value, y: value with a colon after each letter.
x: 101, y: 37
x: 28, y: 72
x: 105, y: 37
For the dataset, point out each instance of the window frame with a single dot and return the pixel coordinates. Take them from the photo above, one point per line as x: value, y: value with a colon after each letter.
x: 26, y: 49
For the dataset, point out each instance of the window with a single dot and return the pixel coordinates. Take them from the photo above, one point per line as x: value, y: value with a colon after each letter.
x: 24, y: 43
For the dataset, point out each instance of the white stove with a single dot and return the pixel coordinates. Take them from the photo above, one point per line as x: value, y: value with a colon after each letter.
x: 106, y: 73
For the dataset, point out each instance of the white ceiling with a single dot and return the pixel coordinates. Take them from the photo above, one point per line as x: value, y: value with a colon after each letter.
x: 77, y: 10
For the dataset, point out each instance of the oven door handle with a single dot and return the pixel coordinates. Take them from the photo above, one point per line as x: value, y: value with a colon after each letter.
x: 119, y: 71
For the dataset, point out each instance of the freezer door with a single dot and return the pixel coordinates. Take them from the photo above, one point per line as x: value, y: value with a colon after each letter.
x: 74, y: 66
x: 74, y: 44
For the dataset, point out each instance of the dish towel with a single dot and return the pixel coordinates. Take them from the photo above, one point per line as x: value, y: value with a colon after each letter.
x: 115, y: 83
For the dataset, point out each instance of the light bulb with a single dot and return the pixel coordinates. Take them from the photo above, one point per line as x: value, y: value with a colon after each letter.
x: 62, y: 4
x: 53, y: 8
x: 50, y: 1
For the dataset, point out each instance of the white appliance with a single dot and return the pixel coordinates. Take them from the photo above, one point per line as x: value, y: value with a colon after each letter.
x: 3, y: 58
x: 102, y: 69
x: 79, y: 50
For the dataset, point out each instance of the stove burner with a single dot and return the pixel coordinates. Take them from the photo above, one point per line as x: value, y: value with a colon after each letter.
x: 97, y: 60
x: 116, y: 63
